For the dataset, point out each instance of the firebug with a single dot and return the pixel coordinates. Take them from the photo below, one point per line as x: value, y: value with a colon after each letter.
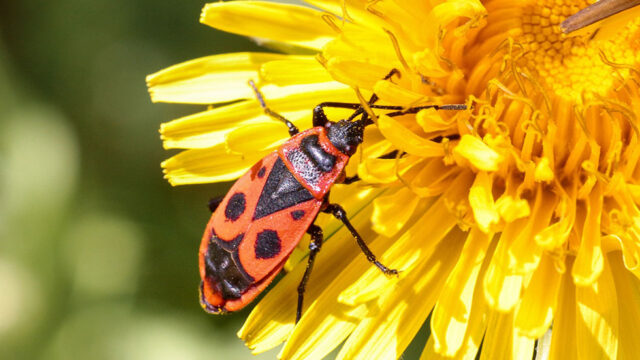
x: 256, y: 226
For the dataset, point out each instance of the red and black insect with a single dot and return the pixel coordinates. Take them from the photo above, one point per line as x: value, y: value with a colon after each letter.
x: 256, y: 226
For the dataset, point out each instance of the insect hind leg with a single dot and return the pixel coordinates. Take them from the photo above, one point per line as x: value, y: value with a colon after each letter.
x: 293, y: 130
x: 314, y: 247
x: 337, y: 211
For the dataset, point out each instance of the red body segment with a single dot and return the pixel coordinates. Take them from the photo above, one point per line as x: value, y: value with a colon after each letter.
x: 297, y: 162
x: 261, y: 220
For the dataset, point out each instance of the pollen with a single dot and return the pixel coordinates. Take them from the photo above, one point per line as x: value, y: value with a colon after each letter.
x: 573, y: 67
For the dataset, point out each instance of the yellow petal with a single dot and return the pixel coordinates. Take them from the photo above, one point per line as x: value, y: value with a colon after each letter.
x: 481, y: 202
x: 502, y: 288
x: 327, y: 322
x: 597, y: 330
x: 477, y: 323
x: 214, y: 164
x: 406, y: 140
x: 405, y: 309
x: 478, y: 153
x: 432, y: 120
x: 271, y: 321
x: 501, y: 342
x: 261, y: 136
x: 392, y: 211
x: 434, y: 178
x: 590, y: 260
x: 356, y: 73
x: 209, y: 80
x: 502, y: 285
x: 563, y: 339
x: 428, y: 63
x: 294, y: 70
x: 444, y: 13
x: 556, y: 234
x: 355, y: 9
x: 405, y: 252
x: 208, y: 128
x: 396, y: 94
x: 385, y: 171
x: 535, y: 312
x: 452, y: 311
x: 269, y: 20
x: 362, y: 44
x: 628, y: 291
x: 524, y: 254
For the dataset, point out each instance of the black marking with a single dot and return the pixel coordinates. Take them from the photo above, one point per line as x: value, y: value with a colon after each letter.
x: 439, y: 139
x: 346, y: 135
x: 211, y: 309
x: 267, y: 244
x: 304, y: 167
x: 281, y: 191
x: 235, y: 206
x: 228, y: 245
x: 223, y: 270
x: 214, y: 202
x: 261, y: 172
x: 297, y: 214
x: 351, y: 179
x: 323, y: 160
x: 389, y: 155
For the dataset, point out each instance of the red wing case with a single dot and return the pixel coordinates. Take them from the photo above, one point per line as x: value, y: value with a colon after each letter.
x: 252, y: 233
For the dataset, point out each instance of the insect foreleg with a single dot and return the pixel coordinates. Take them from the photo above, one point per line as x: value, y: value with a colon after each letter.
x: 292, y: 128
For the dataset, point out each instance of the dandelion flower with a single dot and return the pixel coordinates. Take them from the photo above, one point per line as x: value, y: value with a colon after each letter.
x: 523, y: 218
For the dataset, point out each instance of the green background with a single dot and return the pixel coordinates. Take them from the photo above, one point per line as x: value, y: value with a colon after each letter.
x: 98, y: 253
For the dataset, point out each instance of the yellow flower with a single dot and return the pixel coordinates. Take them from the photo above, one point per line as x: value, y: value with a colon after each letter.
x: 524, y: 217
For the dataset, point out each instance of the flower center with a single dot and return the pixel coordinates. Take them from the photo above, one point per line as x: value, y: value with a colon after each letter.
x: 573, y: 67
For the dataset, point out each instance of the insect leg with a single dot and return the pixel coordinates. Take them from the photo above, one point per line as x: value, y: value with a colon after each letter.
x: 351, y: 179
x: 414, y: 110
x: 214, y: 202
x: 292, y: 128
x: 320, y: 118
x: 315, y: 245
x: 337, y: 211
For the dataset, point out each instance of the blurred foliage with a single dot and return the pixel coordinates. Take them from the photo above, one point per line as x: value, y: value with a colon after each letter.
x: 98, y: 254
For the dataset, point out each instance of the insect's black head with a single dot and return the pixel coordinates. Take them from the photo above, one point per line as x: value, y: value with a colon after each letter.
x: 345, y: 135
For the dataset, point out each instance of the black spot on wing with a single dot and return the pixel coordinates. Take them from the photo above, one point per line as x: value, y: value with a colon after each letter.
x: 297, y: 214
x: 281, y: 191
x: 267, y: 244
x: 235, y: 206
x: 261, y: 172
